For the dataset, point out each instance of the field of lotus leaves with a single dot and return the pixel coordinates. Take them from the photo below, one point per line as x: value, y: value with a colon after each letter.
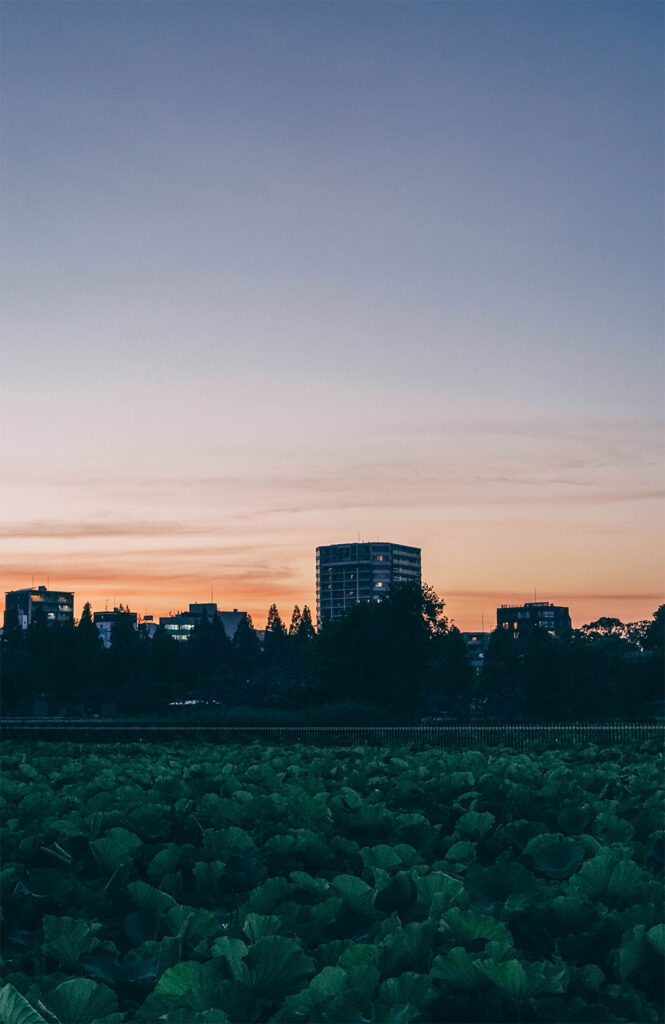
x: 191, y: 882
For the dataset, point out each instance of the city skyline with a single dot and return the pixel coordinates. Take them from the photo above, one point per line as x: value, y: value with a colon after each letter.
x: 276, y: 276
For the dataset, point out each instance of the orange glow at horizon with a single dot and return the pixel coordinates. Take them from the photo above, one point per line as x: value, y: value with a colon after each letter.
x: 493, y: 515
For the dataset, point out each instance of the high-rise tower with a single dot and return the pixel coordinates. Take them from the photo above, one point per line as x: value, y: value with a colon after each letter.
x: 347, y: 574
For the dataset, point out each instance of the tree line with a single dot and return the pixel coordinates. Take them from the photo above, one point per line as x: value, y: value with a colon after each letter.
x: 397, y: 660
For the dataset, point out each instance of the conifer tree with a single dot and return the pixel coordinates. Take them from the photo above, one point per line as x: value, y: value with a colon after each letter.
x: 275, y: 634
x: 296, y: 619
x: 306, y: 629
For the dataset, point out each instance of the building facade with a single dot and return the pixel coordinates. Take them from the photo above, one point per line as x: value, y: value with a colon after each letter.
x: 476, y: 648
x: 519, y: 620
x: 182, y: 625
x: 57, y: 605
x: 348, y: 574
x: 105, y: 622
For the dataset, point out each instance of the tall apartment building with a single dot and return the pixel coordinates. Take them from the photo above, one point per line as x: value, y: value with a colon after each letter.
x: 347, y: 574
x: 520, y: 619
x: 57, y: 605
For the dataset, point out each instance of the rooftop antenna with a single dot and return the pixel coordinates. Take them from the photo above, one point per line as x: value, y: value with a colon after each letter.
x: 482, y: 622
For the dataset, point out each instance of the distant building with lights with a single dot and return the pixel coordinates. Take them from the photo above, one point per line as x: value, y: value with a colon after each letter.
x: 182, y: 625
x: 519, y: 620
x: 57, y: 605
x: 349, y: 574
x: 476, y: 648
x: 106, y: 621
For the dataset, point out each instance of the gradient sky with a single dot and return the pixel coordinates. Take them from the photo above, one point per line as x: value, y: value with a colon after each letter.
x: 279, y: 275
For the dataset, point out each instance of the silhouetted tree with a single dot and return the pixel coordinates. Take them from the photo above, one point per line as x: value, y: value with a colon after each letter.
x: 124, y: 656
x: 296, y: 619
x: 305, y: 631
x: 247, y: 660
x: 654, y: 638
x: 208, y: 657
x: 274, y: 640
x: 89, y: 653
x: 39, y: 646
x: 15, y: 665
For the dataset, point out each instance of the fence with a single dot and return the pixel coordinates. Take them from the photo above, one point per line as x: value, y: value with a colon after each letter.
x: 454, y: 737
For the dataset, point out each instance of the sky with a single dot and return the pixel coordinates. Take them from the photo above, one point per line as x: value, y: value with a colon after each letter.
x: 285, y: 274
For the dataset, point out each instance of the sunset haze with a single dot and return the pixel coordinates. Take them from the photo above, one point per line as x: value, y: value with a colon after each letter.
x: 285, y: 275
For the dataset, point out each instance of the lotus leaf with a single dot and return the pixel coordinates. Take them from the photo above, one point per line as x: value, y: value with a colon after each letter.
x: 656, y: 936
x: 163, y: 863
x: 400, y: 895
x: 474, y: 824
x: 189, y: 982
x: 462, y: 852
x: 458, y: 970
x: 81, y: 1001
x: 356, y: 893
x: 408, y: 988
x: 15, y: 1008
x: 68, y: 938
x: 495, y: 884
x: 408, y: 948
x: 228, y: 842
x: 233, y: 951
x: 276, y: 966
x: 381, y: 856
x: 631, y: 954
x: 307, y: 883
x: 626, y: 883
x: 148, y: 898
x: 470, y: 926
x: 575, y: 818
x: 115, y: 847
x: 257, y: 925
x: 592, y: 878
x: 207, y: 876
x: 266, y: 896
x: 554, y: 854
x: 438, y: 891
x: 522, y: 982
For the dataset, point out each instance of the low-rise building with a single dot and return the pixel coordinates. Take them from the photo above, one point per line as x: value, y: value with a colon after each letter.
x: 106, y: 621
x: 57, y: 605
x: 519, y: 620
x: 476, y: 648
x: 182, y: 625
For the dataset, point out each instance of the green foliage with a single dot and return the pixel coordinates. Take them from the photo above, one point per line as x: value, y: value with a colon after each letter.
x: 114, y: 848
x: 15, y: 1009
x: 80, y: 1001
x: 287, y: 884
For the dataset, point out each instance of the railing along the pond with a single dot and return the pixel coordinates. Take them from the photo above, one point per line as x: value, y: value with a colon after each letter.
x: 448, y: 736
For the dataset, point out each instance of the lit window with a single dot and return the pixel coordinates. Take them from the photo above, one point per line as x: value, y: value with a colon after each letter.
x: 378, y: 584
x: 514, y: 625
x: 505, y: 625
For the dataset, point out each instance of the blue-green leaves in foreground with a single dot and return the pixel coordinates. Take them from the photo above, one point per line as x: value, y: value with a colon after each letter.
x: 211, y: 884
x: 15, y: 1008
